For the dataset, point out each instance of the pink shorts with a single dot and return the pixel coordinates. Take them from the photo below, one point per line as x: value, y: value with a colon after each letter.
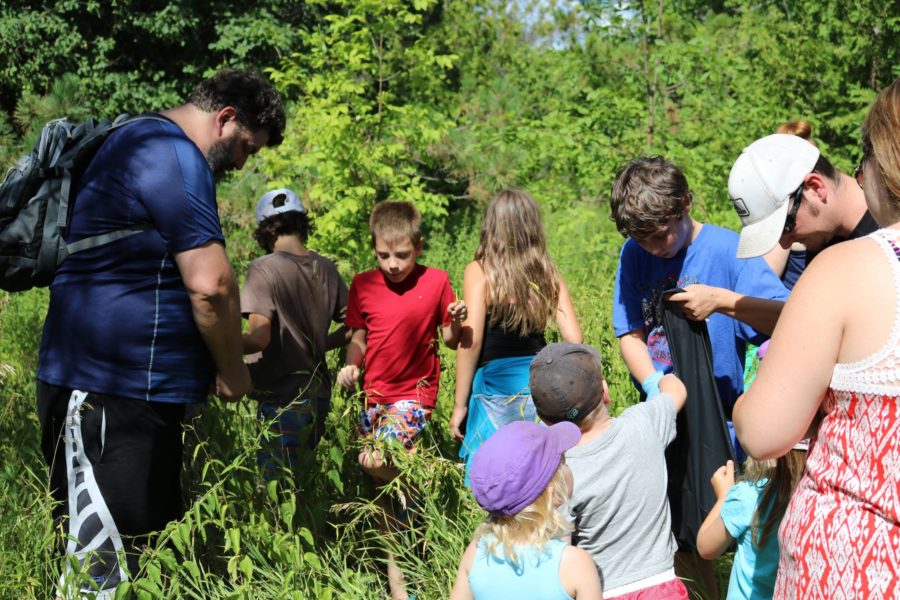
x: 668, y: 590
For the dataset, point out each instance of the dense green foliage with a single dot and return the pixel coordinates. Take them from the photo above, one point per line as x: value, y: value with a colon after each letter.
x: 442, y: 103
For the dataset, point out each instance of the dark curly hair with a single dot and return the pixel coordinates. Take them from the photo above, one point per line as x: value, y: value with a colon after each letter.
x: 287, y: 223
x: 254, y: 97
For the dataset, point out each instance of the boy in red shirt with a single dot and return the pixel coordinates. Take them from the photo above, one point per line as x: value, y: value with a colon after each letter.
x: 395, y: 312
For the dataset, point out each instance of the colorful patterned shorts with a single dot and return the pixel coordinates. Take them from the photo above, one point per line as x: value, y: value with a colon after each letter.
x: 402, y: 421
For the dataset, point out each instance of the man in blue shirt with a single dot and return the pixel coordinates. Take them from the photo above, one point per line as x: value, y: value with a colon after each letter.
x: 142, y: 327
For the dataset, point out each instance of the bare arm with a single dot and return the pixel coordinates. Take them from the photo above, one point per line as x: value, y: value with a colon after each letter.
x: 213, y: 293
x: 259, y: 334
x: 713, y: 538
x: 674, y: 389
x: 471, y: 338
x: 578, y: 575
x: 356, y: 353
x: 565, y: 316
x: 458, y: 311
x: 341, y: 336
x: 633, y: 347
x: 461, y: 589
x: 777, y: 410
x: 699, y: 301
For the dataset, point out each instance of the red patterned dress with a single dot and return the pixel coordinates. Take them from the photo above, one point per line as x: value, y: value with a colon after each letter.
x: 840, y: 537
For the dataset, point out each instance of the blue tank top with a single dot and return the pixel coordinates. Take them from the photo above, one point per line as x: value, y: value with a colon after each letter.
x: 537, y: 576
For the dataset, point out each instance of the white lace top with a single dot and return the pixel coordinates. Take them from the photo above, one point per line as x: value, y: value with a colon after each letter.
x: 878, y: 373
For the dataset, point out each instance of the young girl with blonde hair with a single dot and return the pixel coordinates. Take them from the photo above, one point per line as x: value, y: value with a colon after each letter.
x: 513, y: 290
x: 520, y: 478
x: 750, y: 512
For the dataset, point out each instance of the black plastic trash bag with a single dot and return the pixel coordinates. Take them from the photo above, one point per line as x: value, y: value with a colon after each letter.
x: 703, y: 442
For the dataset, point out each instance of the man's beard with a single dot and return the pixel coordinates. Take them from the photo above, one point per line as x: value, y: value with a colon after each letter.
x: 219, y: 157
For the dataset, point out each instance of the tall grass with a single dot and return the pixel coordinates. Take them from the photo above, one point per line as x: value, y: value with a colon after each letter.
x: 313, y: 534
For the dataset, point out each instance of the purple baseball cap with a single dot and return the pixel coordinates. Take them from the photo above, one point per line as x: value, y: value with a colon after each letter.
x: 513, y: 467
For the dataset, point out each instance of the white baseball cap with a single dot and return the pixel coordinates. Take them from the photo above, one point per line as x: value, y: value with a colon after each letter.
x: 276, y: 202
x: 763, y: 177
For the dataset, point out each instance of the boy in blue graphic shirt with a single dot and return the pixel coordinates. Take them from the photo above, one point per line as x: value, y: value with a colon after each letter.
x: 666, y: 248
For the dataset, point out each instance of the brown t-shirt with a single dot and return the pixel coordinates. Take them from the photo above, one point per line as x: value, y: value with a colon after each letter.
x: 301, y: 295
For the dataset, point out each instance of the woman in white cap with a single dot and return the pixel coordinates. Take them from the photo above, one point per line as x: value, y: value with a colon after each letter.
x: 833, y: 366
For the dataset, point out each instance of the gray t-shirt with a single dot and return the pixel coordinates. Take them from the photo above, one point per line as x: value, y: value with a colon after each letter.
x: 301, y: 295
x: 621, y: 513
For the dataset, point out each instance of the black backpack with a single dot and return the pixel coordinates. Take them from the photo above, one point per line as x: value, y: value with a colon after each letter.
x: 35, y: 199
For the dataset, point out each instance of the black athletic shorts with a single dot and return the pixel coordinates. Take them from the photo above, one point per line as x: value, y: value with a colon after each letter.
x: 115, y: 468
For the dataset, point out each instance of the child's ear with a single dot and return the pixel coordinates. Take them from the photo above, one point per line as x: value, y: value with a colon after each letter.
x: 419, y: 245
x: 686, y: 202
x: 605, y: 394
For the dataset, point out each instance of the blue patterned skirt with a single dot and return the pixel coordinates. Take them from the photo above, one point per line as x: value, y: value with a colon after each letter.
x: 500, y: 395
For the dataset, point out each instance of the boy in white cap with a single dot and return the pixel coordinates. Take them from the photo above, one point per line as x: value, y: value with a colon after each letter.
x: 785, y: 191
x: 290, y: 297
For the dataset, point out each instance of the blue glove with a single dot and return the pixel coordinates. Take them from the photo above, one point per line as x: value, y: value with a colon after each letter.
x: 650, y: 385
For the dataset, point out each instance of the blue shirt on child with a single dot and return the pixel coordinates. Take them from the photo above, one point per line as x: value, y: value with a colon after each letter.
x: 536, y: 576
x: 710, y: 260
x: 753, y: 571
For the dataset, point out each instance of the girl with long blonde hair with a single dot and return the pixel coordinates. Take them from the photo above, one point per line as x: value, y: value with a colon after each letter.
x: 513, y: 291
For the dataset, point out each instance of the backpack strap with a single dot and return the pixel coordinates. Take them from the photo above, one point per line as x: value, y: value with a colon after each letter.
x: 125, y: 119
x: 111, y: 236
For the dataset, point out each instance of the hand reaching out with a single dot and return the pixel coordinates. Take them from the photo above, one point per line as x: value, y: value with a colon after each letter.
x: 458, y: 311
x: 698, y: 301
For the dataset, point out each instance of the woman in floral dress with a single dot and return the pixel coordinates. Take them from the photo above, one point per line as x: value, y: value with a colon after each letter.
x: 833, y: 369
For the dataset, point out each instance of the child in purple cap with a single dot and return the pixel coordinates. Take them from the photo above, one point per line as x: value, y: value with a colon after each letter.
x: 520, y: 478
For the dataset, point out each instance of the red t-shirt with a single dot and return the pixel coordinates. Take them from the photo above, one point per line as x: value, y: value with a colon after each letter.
x: 401, y: 322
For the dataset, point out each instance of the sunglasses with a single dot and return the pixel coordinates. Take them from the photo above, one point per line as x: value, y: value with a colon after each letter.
x: 858, y: 171
x: 790, y: 222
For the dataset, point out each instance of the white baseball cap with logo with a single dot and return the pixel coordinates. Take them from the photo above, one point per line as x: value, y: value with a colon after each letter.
x: 762, y: 179
x: 276, y: 202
